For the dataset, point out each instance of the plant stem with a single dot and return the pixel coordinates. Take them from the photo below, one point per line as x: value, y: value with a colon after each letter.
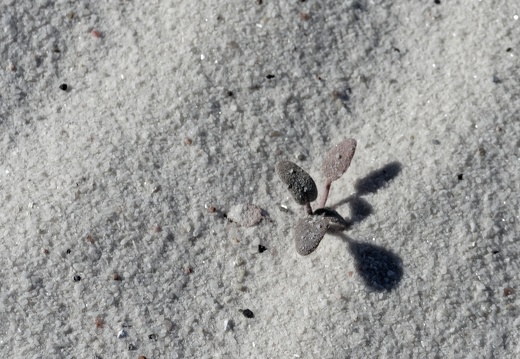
x: 325, y: 194
x: 308, y: 208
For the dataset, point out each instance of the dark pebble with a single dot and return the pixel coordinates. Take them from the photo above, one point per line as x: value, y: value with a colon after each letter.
x: 248, y: 314
x: 460, y: 176
x: 68, y: 251
x: 152, y: 337
x: 438, y: 2
x: 261, y: 248
x: 270, y: 76
x: 77, y: 278
x: 508, y: 291
x: 63, y: 87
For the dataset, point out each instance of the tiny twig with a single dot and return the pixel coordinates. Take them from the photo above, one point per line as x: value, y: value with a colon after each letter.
x: 325, y: 194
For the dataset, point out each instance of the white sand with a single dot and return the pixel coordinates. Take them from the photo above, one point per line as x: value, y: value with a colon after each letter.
x: 430, y: 91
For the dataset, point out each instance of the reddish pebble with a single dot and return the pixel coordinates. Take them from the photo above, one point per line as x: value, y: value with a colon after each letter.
x: 508, y: 291
x: 95, y: 34
x: 99, y: 322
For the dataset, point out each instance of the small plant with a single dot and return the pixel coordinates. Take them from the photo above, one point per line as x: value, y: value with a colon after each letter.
x: 310, y: 230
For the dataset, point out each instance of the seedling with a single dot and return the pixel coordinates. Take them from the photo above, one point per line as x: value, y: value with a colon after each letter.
x: 310, y: 230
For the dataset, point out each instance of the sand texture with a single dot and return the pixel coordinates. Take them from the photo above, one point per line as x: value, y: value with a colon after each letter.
x: 115, y: 239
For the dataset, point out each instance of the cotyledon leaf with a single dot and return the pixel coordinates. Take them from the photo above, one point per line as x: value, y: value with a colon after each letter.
x: 299, y: 183
x: 338, y: 159
x: 308, y: 233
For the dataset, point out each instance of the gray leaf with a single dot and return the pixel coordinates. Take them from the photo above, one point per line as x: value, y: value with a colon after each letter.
x: 338, y: 159
x: 299, y: 183
x: 308, y: 234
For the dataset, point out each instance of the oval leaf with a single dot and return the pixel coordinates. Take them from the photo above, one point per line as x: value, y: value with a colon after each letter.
x: 299, y: 183
x: 338, y: 159
x: 308, y: 234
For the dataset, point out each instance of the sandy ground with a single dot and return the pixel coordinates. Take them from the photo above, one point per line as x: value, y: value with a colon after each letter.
x: 114, y: 193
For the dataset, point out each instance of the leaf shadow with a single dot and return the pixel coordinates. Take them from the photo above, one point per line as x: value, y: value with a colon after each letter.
x: 371, y: 183
x: 380, y: 268
x: 377, y: 179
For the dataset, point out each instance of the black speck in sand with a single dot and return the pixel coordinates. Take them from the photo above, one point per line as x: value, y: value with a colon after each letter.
x: 247, y: 313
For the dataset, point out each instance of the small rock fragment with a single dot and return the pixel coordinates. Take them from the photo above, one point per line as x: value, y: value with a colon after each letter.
x: 248, y: 313
x: 95, y: 34
x: 261, y: 248
x: 508, y: 291
x: 99, y: 322
x: 229, y: 324
x: 121, y: 334
x: 247, y: 215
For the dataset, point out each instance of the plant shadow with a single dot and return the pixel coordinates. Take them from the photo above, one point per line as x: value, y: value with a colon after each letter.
x: 371, y: 183
x: 378, y: 179
x: 380, y: 268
